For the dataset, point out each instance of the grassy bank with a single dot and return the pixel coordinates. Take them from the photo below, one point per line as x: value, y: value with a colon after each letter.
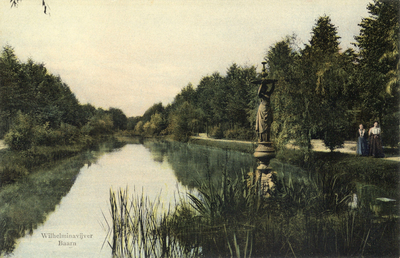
x: 345, y: 168
x: 242, y: 146
x: 15, y: 165
x: 247, y: 147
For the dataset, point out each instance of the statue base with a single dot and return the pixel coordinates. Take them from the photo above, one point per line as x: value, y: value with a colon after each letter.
x: 264, y: 153
x: 264, y: 174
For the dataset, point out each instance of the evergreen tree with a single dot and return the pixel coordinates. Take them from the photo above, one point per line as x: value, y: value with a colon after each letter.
x: 324, y: 85
x: 378, y: 81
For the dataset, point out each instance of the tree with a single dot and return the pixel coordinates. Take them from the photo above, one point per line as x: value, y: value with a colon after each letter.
x: 101, y: 123
x: 132, y: 121
x: 287, y: 101
x: 378, y: 45
x: 20, y: 135
x: 187, y: 94
x: 119, y: 118
x: 238, y: 91
x: 183, y: 121
x: 310, y: 97
x: 205, y: 94
x: 156, y: 108
x: 324, y: 37
x: 154, y: 126
x: 139, y: 128
x: 85, y: 113
x: 9, y: 92
x: 325, y: 84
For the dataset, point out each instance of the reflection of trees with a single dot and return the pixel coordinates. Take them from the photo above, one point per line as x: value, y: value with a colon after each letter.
x: 192, y: 164
x: 25, y: 205
x: 158, y: 150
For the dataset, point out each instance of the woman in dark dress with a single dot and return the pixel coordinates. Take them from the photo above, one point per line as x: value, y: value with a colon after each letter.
x: 362, y: 146
x: 375, y: 142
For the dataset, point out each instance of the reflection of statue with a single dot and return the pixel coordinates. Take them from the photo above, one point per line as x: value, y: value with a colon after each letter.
x: 264, y: 114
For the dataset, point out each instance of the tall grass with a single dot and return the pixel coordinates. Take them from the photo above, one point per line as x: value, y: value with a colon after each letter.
x: 141, y: 228
x: 207, y: 224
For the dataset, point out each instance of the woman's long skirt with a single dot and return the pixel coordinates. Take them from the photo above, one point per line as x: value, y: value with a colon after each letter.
x: 362, y: 146
x: 375, y: 146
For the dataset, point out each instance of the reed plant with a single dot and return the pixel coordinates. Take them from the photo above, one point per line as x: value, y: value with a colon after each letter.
x: 141, y: 228
x: 225, y: 216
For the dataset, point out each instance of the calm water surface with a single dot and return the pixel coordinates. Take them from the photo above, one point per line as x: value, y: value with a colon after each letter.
x: 154, y: 168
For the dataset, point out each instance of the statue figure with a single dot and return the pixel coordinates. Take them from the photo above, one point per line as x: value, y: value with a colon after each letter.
x: 265, y: 150
x: 264, y: 114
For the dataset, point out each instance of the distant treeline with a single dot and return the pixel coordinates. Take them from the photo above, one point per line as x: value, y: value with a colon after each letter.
x: 38, y: 109
x: 220, y: 106
x: 322, y: 91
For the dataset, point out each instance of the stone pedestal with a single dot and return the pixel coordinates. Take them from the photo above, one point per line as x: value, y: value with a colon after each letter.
x: 264, y: 153
x: 265, y: 177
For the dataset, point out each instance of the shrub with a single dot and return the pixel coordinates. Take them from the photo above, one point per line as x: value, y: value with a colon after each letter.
x: 334, y: 138
x: 147, y: 128
x: 238, y: 134
x: 391, y: 130
x: 97, y: 125
x: 217, y: 132
x: 44, y: 135
x: 21, y: 133
x: 70, y: 133
x: 11, y: 173
x: 139, y: 128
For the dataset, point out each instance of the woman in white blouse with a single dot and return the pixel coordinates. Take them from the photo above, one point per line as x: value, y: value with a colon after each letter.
x: 375, y: 143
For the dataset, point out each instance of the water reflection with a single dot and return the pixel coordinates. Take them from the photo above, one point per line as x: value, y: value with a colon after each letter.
x: 194, y: 164
x: 73, y: 197
x: 26, y: 204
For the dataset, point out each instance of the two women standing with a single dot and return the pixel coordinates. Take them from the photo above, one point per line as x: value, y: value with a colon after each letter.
x: 375, y: 143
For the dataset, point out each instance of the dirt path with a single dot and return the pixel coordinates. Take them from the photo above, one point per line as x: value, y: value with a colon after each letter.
x: 2, y: 145
x: 348, y: 147
x: 317, y: 145
x: 204, y: 136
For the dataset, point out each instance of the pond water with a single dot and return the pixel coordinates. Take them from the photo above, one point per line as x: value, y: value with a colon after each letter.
x: 79, y: 225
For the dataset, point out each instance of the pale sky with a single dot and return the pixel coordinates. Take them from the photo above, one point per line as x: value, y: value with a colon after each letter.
x: 130, y: 54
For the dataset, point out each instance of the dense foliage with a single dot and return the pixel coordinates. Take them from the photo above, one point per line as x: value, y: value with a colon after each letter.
x: 38, y: 109
x: 221, y: 106
x: 322, y: 91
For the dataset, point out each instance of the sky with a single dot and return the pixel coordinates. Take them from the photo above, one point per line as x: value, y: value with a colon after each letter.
x: 131, y: 54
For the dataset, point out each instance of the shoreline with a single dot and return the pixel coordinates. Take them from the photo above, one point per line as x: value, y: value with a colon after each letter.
x: 243, y: 146
x: 349, y: 147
